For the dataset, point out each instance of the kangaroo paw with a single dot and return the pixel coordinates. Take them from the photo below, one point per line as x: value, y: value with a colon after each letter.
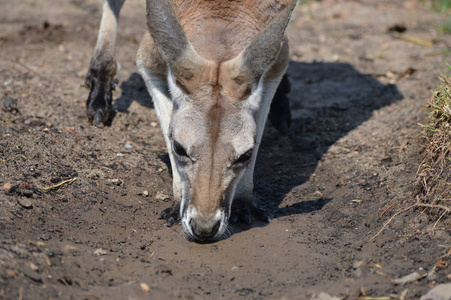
x: 245, y: 211
x: 99, y: 100
x: 100, y: 81
x: 171, y: 214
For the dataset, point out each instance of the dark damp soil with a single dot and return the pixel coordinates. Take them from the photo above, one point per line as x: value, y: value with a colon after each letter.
x: 345, y: 168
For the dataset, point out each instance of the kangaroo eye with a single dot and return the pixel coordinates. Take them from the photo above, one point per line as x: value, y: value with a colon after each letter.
x: 244, y: 158
x: 179, y: 150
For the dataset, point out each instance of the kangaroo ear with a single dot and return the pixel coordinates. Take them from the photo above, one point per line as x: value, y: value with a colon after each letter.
x: 171, y: 41
x: 263, y: 51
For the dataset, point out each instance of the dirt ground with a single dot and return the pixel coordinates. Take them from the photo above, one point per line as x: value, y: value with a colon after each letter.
x: 345, y: 168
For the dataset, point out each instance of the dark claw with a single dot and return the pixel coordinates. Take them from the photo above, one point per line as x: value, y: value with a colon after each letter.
x: 98, y: 118
x: 100, y: 82
x: 114, y: 84
x: 264, y: 217
x: 234, y: 218
x: 99, y: 101
x: 87, y: 83
x: 171, y: 214
x: 260, y: 214
x: 247, y: 219
x: 164, y: 214
x: 172, y: 220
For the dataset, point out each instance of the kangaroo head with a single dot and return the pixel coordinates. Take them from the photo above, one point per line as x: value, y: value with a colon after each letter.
x: 215, y: 116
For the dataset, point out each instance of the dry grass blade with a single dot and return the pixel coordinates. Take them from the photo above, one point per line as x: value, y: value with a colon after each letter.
x: 57, y: 185
x: 446, y: 209
x: 375, y: 298
x: 433, y: 183
x: 413, y: 39
x: 389, y: 220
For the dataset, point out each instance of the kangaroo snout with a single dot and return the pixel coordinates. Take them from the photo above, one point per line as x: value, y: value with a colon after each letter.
x: 204, y: 228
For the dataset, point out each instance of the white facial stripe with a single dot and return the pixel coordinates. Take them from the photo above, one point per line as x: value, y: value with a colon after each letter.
x: 243, y: 140
x: 191, y: 212
x: 254, y: 100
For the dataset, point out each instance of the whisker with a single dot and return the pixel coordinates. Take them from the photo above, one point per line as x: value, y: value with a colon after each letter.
x: 227, y: 233
x: 187, y: 236
x: 182, y: 232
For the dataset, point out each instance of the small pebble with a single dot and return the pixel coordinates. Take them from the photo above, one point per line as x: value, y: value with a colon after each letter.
x: 32, y: 275
x: 33, y: 267
x: 69, y: 250
x: 144, y: 287
x: 11, y: 273
x: 128, y: 146
x: 100, y: 251
x: 161, y: 197
x: 145, y: 193
x: 25, y: 202
x: 412, y: 277
x: 439, y: 292
x: 55, y: 179
x: 10, y: 105
x: 116, y: 181
x: 119, y: 154
x: 7, y: 186
x: 27, y: 193
x: 153, y: 124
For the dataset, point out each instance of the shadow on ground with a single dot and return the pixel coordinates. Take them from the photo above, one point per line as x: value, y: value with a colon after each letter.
x: 327, y: 100
x: 134, y: 89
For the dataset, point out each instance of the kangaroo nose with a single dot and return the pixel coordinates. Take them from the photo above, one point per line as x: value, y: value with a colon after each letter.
x: 203, y: 234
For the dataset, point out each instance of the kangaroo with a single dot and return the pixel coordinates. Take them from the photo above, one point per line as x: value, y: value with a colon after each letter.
x: 212, y: 69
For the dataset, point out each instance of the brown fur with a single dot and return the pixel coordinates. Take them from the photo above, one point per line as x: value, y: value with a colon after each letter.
x: 218, y: 31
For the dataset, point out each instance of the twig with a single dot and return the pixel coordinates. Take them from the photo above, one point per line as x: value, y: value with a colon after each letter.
x: 64, y: 281
x: 389, y: 220
x: 413, y: 39
x: 446, y: 209
x: 31, y: 70
x: 387, y: 209
x: 386, y: 276
x: 417, y: 204
x: 403, y: 295
x: 441, y: 215
x: 56, y: 185
x: 446, y: 254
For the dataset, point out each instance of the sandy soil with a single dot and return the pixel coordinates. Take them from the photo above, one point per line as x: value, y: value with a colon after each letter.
x: 345, y: 168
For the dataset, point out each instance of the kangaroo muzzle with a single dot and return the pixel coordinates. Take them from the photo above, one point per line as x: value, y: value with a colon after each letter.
x: 203, y: 228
